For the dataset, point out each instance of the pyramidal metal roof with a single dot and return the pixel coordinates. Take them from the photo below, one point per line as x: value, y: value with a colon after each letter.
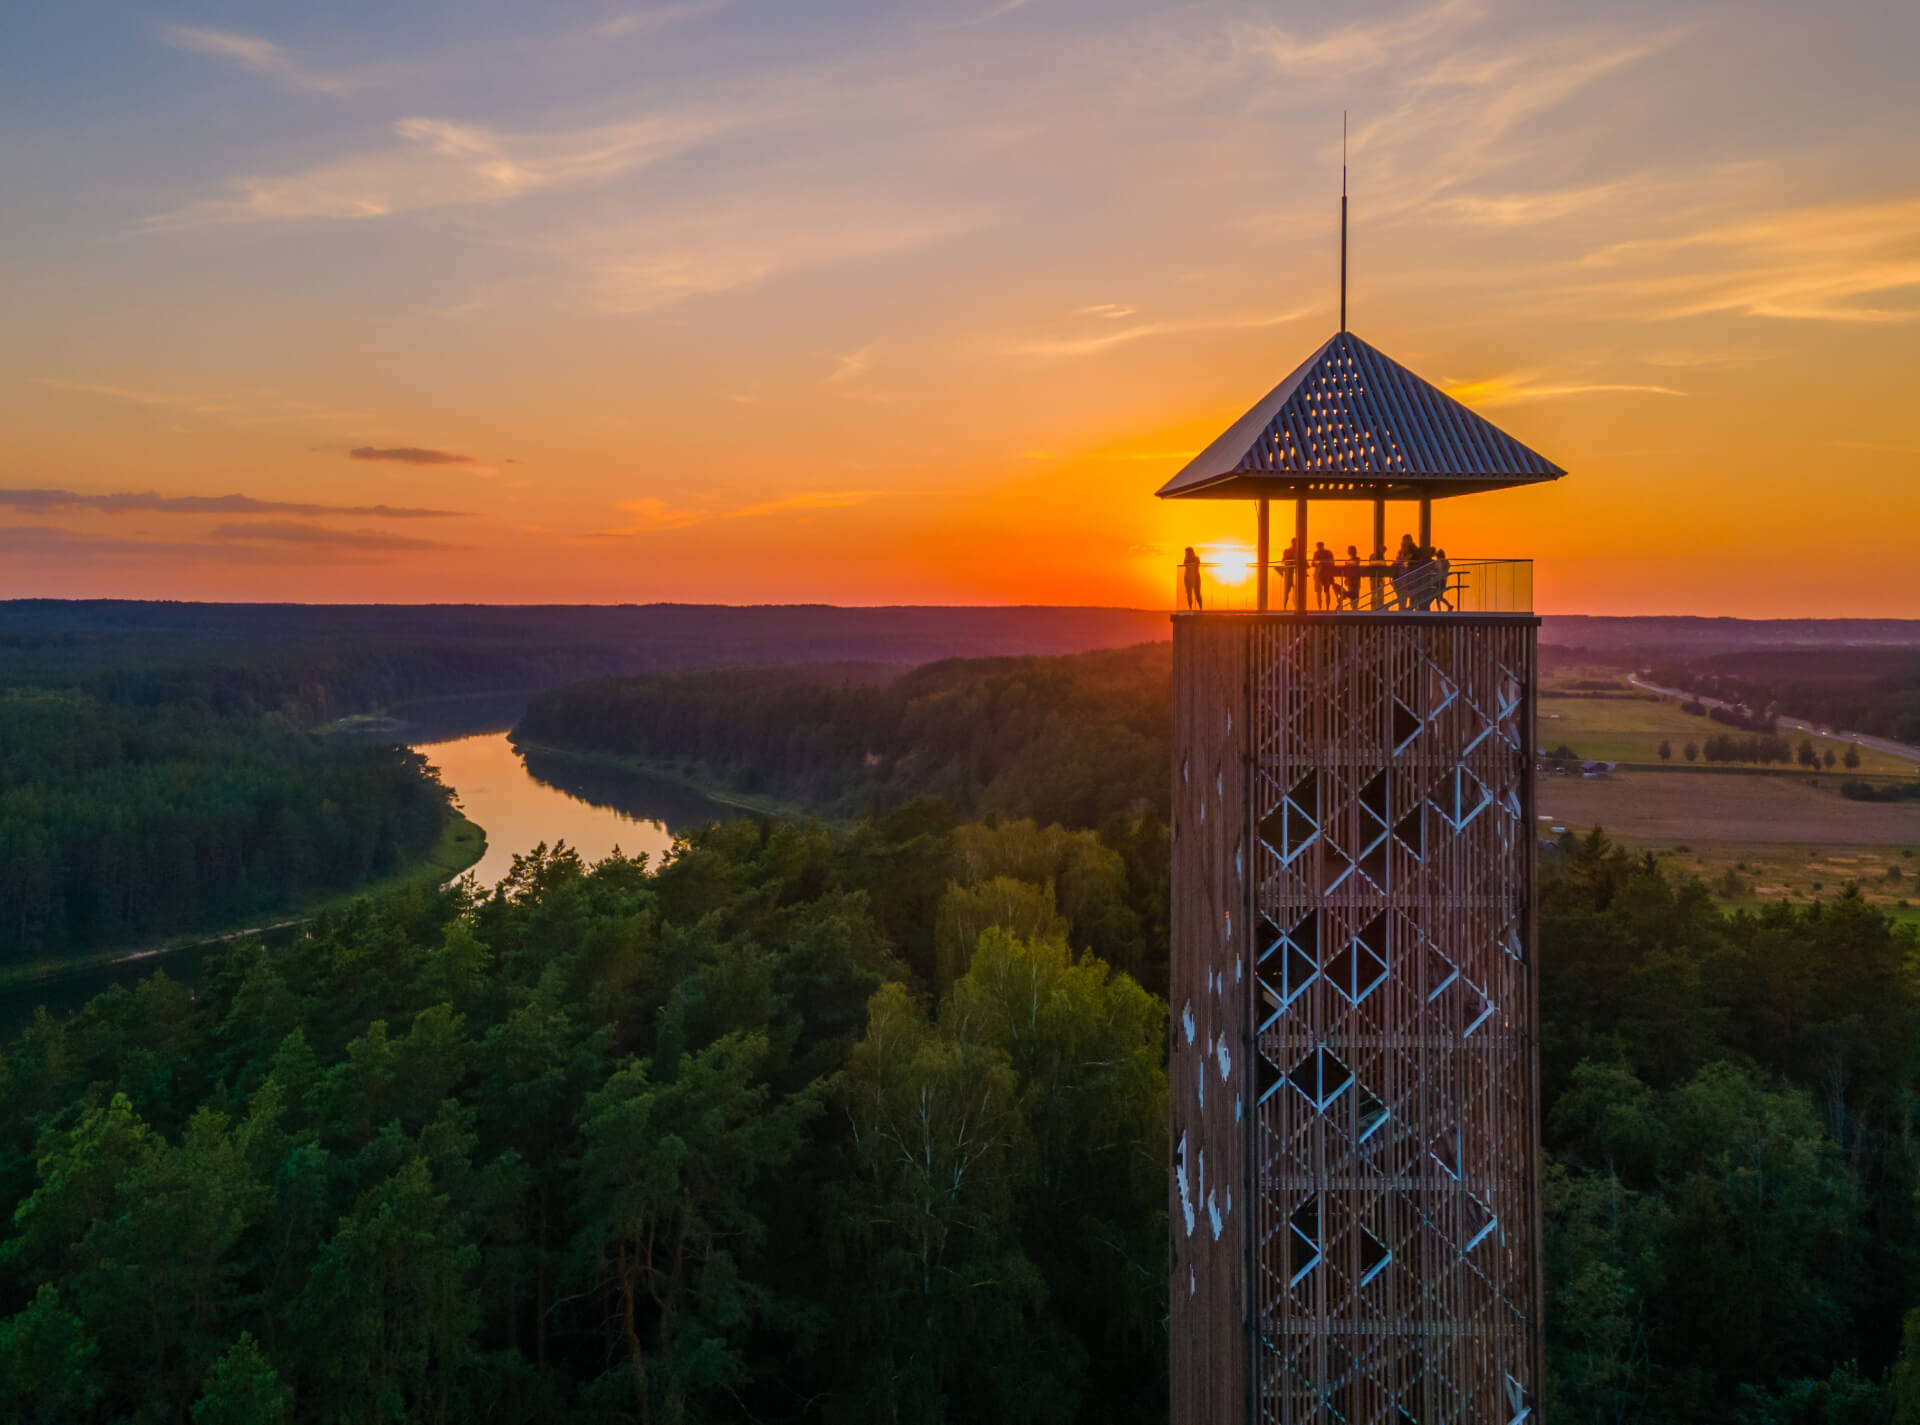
x: 1351, y: 423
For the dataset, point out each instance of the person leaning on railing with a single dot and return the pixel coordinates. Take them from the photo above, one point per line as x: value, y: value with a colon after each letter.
x: 1190, y: 578
x: 1442, y: 569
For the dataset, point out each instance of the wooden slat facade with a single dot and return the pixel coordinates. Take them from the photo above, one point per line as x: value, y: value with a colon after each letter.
x: 1384, y: 1128
x: 1211, y: 997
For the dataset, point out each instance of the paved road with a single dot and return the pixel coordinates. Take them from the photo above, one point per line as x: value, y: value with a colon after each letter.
x: 1859, y: 739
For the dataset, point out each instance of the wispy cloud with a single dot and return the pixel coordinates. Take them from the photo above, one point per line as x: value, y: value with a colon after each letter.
x: 658, y: 17
x: 657, y: 515
x: 43, y: 541
x: 1524, y: 386
x: 1693, y: 359
x: 230, y: 406
x: 441, y: 163
x: 1452, y: 103
x: 65, y: 546
x: 1514, y: 210
x: 1120, y: 336
x: 1879, y: 447
x: 409, y: 455
x: 1358, y: 47
x: 1839, y: 262
x: 151, y: 503
x: 288, y: 532
x: 853, y: 365
x: 668, y: 257
x: 1112, y: 311
x: 812, y: 500
x: 258, y: 56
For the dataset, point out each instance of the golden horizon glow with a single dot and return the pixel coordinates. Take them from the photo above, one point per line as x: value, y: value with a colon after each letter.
x: 727, y: 303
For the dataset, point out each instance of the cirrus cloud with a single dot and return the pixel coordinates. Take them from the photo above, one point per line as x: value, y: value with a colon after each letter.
x: 257, y: 55
x: 1523, y: 386
x: 409, y: 455
x: 657, y: 515
x: 288, y: 532
x: 1109, y: 338
x: 442, y: 163
x: 149, y: 502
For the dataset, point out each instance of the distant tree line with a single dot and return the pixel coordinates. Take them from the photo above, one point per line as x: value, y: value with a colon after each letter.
x: 1881, y: 791
x: 1724, y: 747
x: 304, y: 664
x: 1743, y: 718
x: 1865, y: 689
x: 121, y: 822
x: 1074, y: 740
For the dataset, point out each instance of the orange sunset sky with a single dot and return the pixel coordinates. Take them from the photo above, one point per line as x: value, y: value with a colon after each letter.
x: 875, y: 303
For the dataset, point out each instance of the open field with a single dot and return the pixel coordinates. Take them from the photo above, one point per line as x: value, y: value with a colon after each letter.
x: 1787, y: 871
x: 1781, y: 836
x: 1665, y: 807
x: 1631, y: 728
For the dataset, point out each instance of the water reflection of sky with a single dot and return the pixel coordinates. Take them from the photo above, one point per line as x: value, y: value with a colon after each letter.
x: 597, y: 812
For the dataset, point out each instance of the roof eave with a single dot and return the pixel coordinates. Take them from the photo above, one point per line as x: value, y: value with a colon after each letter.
x: 1342, y: 485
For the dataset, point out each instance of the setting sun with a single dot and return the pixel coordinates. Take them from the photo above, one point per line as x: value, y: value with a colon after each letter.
x: 1231, y: 563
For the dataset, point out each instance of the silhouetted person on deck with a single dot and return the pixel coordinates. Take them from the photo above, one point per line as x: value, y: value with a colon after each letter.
x: 1287, y: 572
x: 1444, y: 569
x: 1353, y: 575
x: 1322, y: 574
x: 1190, y: 577
x: 1406, y: 556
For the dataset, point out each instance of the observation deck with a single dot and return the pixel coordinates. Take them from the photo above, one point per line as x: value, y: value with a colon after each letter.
x: 1434, y: 586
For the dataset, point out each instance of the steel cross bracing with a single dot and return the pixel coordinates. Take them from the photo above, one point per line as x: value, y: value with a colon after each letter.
x: 1394, y: 1131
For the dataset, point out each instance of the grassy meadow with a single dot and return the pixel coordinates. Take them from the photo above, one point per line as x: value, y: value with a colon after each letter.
x: 1622, y: 724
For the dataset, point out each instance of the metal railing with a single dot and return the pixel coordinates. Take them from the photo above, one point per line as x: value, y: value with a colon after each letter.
x: 1467, y: 586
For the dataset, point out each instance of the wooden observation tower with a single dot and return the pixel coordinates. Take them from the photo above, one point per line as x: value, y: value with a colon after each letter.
x: 1355, y: 1197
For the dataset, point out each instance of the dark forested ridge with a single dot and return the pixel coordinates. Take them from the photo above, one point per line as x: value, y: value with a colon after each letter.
x: 1074, y: 740
x: 124, y: 822
x: 325, y: 661
x: 318, y: 662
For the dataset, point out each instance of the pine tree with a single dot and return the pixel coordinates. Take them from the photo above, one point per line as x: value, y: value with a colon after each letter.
x: 242, y: 1389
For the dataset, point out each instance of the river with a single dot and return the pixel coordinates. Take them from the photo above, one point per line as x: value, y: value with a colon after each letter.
x: 520, y: 801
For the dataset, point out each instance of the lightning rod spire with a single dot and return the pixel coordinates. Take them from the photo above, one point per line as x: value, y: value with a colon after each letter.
x: 1343, y: 220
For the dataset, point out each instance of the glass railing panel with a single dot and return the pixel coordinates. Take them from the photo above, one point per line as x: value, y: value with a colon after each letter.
x: 1468, y: 586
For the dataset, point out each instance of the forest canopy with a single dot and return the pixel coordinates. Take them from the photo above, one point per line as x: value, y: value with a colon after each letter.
x: 814, y: 1125
x: 606, y: 1144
